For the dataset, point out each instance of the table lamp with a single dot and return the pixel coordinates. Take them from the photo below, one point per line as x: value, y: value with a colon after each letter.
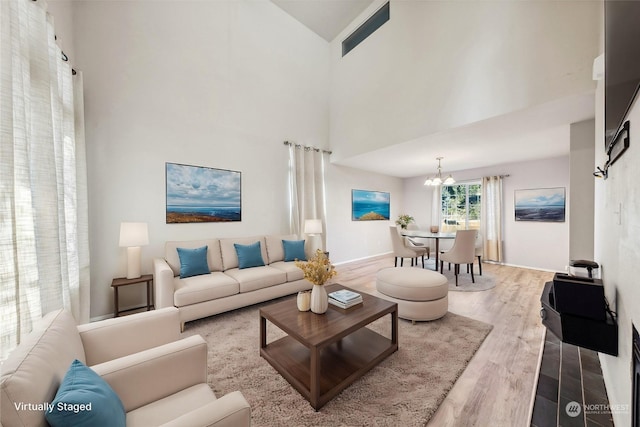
x: 133, y: 235
x: 312, y: 227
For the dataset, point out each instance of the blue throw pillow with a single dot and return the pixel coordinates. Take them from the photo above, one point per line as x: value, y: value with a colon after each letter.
x: 249, y: 255
x: 193, y: 262
x: 85, y: 399
x: 294, y: 250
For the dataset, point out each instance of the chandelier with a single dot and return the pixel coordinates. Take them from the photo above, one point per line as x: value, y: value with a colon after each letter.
x: 437, y: 180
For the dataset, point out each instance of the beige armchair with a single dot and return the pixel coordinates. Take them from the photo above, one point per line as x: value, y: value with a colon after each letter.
x: 160, y: 378
x: 462, y: 252
x: 402, y: 250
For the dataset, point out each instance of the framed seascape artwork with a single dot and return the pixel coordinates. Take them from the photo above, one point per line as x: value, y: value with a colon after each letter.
x: 201, y: 194
x: 369, y: 205
x: 540, y: 204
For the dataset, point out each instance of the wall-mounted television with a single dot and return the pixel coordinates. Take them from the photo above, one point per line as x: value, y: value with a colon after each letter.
x: 622, y: 62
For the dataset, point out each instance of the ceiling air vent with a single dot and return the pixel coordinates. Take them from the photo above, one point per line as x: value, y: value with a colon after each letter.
x: 365, y: 30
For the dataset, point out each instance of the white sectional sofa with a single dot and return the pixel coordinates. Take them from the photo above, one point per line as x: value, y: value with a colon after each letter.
x: 226, y: 287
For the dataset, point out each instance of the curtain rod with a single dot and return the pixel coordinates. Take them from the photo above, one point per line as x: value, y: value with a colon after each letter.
x: 306, y: 147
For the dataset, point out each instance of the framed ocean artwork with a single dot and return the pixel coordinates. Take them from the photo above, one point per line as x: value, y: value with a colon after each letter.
x: 540, y: 204
x: 202, y: 194
x: 370, y: 205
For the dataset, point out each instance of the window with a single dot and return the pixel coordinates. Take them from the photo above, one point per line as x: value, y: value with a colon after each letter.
x: 366, y: 29
x: 461, y: 207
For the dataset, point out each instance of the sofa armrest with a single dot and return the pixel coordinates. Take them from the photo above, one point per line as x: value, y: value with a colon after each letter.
x: 113, y: 338
x: 163, y: 283
x: 231, y: 410
x: 142, y: 378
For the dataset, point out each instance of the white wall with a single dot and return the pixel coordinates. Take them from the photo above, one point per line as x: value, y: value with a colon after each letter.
x: 349, y: 240
x: 437, y: 65
x: 541, y: 245
x: 62, y: 12
x: 219, y: 84
x: 582, y: 187
x: 617, y: 249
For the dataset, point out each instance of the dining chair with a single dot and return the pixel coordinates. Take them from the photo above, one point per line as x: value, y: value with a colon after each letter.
x: 416, y: 241
x: 479, y: 250
x: 402, y: 251
x: 462, y: 252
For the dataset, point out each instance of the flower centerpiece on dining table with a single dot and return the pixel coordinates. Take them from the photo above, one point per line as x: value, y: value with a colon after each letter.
x: 318, y: 270
x: 404, y: 220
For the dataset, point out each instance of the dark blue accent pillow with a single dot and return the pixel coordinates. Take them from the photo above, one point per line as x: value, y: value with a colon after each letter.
x: 85, y: 399
x: 193, y: 262
x: 294, y: 250
x: 249, y: 255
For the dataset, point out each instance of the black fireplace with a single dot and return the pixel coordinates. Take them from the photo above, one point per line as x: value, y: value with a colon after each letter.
x: 636, y: 378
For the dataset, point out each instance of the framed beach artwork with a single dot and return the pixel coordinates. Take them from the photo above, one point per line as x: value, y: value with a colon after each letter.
x: 540, y: 204
x: 369, y: 205
x: 201, y: 194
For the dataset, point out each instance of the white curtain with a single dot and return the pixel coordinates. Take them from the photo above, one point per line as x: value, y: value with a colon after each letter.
x: 44, y: 246
x: 306, y: 189
x: 491, y: 224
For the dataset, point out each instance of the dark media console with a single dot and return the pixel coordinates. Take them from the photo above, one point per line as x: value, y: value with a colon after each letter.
x: 576, y: 311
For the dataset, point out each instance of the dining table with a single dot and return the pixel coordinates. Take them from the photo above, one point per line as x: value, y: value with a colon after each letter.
x: 426, y: 234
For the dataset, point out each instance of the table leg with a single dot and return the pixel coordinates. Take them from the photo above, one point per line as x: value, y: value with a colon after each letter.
x: 314, y: 384
x: 437, y: 252
x: 394, y: 326
x: 148, y: 295
x: 115, y: 300
x: 263, y: 332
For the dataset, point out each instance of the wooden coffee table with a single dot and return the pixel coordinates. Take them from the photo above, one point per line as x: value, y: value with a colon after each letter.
x: 323, y: 354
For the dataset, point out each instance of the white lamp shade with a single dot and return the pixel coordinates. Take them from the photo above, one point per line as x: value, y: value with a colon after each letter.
x: 312, y: 226
x: 133, y: 234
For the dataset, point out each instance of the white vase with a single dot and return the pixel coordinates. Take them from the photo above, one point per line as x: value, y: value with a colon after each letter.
x: 319, y: 299
x: 304, y: 300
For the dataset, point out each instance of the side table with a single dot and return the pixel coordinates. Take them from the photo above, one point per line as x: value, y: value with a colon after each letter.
x: 121, y: 281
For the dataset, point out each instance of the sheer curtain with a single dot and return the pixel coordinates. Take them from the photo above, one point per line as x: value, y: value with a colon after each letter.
x: 492, y: 217
x: 43, y: 197
x: 306, y: 188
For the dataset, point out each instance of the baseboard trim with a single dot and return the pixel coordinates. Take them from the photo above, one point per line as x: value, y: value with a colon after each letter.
x: 366, y: 258
x: 529, y: 267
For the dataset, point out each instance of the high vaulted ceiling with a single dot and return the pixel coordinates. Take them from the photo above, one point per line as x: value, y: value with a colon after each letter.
x: 327, y: 18
x: 537, y: 133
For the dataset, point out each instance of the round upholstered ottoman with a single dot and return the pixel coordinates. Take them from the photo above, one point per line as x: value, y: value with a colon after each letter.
x: 420, y: 294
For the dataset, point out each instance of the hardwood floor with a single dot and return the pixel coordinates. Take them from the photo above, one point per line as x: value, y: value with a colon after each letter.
x: 497, y: 387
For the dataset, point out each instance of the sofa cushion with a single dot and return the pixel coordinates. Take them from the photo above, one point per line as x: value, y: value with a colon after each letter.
x: 249, y: 255
x: 207, y: 287
x: 290, y: 268
x: 193, y: 262
x: 228, y: 250
x: 294, y: 250
x: 214, y: 259
x: 251, y: 279
x: 85, y: 399
x: 164, y: 410
x: 275, y: 250
x: 25, y: 378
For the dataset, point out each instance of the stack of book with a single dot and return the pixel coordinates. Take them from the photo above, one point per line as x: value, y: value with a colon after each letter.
x: 344, y: 298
